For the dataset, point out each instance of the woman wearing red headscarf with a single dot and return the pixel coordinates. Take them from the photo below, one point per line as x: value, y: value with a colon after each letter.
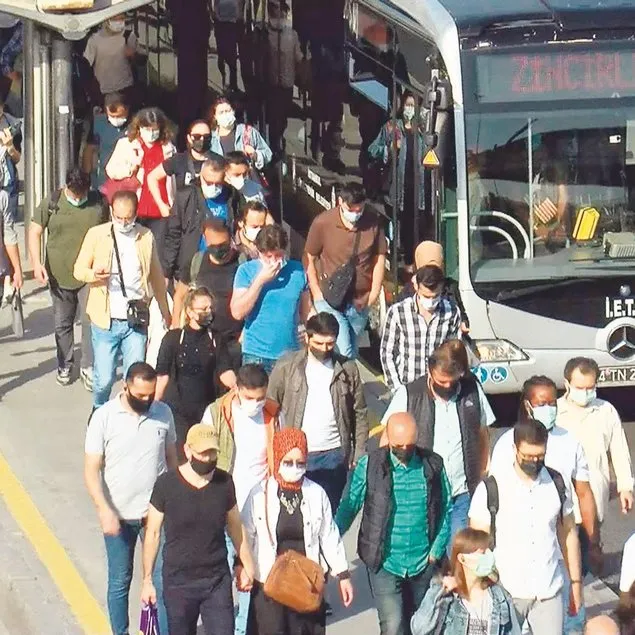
x: 289, y: 511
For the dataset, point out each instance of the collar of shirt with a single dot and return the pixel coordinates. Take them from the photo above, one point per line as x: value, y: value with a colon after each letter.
x: 413, y: 464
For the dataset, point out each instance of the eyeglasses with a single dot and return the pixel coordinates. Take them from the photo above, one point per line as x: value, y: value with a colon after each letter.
x: 299, y: 464
x: 531, y: 457
x: 198, y: 137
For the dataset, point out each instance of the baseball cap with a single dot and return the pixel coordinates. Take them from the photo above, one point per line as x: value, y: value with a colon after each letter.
x: 202, y: 438
x: 429, y: 253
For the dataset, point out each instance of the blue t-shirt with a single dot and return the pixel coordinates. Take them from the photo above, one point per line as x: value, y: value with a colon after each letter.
x: 217, y: 208
x: 271, y: 329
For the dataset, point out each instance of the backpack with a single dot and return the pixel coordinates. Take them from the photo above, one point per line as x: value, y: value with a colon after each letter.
x: 491, y: 487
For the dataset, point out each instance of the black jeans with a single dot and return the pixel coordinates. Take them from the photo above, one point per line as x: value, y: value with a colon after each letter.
x: 158, y: 227
x: 211, y: 598
x: 67, y: 303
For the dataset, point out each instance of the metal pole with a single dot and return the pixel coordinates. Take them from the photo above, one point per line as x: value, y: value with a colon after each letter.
x: 44, y: 122
x: 63, y: 106
x: 30, y: 34
x: 530, y: 167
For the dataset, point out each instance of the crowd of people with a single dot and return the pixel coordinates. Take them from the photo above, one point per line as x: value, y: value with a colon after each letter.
x: 241, y: 439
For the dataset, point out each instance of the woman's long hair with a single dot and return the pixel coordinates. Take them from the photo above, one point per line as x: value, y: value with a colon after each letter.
x: 211, y: 114
x: 467, y: 541
x: 151, y: 117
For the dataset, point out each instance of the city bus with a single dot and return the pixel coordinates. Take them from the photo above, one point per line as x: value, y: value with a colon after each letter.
x: 526, y: 114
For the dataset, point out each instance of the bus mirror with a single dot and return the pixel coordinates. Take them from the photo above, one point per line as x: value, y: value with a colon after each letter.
x: 431, y: 139
x: 445, y: 95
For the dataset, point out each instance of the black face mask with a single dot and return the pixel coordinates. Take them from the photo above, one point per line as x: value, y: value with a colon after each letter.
x: 446, y: 393
x: 403, y: 454
x: 219, y: 252
x: 205, y: 320
x: 202, y: 144
x: 532, y: 468
x: 321, y: 355
x: 140, y: 406
x: 202, y: 467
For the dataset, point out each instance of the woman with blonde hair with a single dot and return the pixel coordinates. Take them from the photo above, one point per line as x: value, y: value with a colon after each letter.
x: 191, y: 362
x: 468, y: 601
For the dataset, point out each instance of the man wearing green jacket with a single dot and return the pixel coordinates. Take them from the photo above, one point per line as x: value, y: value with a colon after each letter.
x: 405, y: 524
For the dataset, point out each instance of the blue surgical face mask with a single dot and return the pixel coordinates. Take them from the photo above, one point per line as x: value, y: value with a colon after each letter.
x: 546, y: 414
x: 211, y: 190
x: 581, y: 396
x: 349, y: 216
x: 482, y: 564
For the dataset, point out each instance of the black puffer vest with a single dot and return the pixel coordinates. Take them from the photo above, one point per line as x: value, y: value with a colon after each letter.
x: 378, y: 503
x: 421, y: 406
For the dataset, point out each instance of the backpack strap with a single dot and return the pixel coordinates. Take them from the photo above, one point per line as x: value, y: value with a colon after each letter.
x: 195, y: 266
x: 126, y: 35
x: 558, y: 481
x: 54, y: 201
x: 491, y: 488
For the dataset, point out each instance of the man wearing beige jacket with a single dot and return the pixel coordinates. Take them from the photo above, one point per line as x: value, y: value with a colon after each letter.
x: 119, y: 262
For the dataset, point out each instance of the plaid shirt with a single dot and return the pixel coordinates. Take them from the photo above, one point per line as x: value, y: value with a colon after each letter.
x: 407, y: 341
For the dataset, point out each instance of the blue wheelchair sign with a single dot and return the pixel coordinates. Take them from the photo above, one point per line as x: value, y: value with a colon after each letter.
x: 498, y: 374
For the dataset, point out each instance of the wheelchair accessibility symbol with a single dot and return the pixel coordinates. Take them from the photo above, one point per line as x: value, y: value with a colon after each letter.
x: 498, y: 374
x: 481, y: 374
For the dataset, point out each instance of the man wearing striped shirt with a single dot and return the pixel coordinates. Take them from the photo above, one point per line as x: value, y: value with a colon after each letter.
x: 415, y: 327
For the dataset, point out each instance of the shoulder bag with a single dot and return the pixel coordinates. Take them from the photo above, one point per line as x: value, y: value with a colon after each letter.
x: 337, y: 287
x: 294, y: 581
x: 138, y: 311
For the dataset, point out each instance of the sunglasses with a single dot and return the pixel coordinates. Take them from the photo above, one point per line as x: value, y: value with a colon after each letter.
x: 299, y: 464
x: 198, y: 137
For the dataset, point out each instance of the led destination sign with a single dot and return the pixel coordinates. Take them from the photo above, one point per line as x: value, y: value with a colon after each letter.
x: 537, y: 77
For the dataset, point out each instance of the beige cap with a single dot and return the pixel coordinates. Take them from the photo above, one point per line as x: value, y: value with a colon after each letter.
x: 201, y: 438
x: 429, y: 253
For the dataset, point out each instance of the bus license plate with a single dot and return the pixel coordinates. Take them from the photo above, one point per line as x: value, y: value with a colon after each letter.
x: 617, y: 375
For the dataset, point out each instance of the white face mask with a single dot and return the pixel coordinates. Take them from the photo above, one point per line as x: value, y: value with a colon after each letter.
x: 117, y: 26
x: 581, y: 396
x: 226, y: 119
x: 117, y: 122
x: 237, y: 182
x: 429, y: 304
x: 252, y: 407
x: 349, y: 216
x: 408, y: 113
x: 149, y: 135
x: 210, y: 190
x: 291, y: 473
x: 123, y: 228
x: 251, y: 233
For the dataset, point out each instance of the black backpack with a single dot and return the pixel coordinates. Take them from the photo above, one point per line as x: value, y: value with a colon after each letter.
x: 491, y: 487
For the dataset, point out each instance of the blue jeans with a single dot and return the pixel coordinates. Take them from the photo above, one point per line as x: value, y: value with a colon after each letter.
x: 352, y: 322
x: 459, y: 516
x: 107, y: 344
x: 329, y: 470
x: 120, y: 555
x: 263, y: 361
x: 244, y: 598
x: 397, y: 599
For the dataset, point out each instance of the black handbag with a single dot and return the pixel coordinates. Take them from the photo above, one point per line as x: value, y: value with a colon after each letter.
x: 338, y: 287
x: 138, y: 311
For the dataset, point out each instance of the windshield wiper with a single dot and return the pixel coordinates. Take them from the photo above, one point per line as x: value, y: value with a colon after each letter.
x: 513, y: 294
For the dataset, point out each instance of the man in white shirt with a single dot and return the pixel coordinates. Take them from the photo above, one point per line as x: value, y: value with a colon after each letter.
x: 564, y: 454
x: 596, y: 424
x: 130, y: 441
x: 533, y: 523
x: 321, y: 392
x: 245, y: 421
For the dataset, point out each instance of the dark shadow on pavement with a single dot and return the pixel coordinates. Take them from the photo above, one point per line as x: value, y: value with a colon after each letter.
x: 362, y: 601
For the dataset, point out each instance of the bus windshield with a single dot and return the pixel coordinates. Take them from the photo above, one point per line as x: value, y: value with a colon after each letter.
x: 551, y: 181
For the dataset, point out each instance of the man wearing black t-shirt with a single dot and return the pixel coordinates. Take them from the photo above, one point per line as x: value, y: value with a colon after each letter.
x: 214, y: 269
x: 196, y: 502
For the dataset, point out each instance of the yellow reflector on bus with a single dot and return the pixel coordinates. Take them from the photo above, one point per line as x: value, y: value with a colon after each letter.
x: 431, y: 160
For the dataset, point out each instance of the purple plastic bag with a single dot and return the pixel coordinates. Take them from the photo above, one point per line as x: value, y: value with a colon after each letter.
x: 149, y: 623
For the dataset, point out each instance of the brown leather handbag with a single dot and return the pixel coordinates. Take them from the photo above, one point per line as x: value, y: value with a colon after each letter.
x: 294, y: 581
